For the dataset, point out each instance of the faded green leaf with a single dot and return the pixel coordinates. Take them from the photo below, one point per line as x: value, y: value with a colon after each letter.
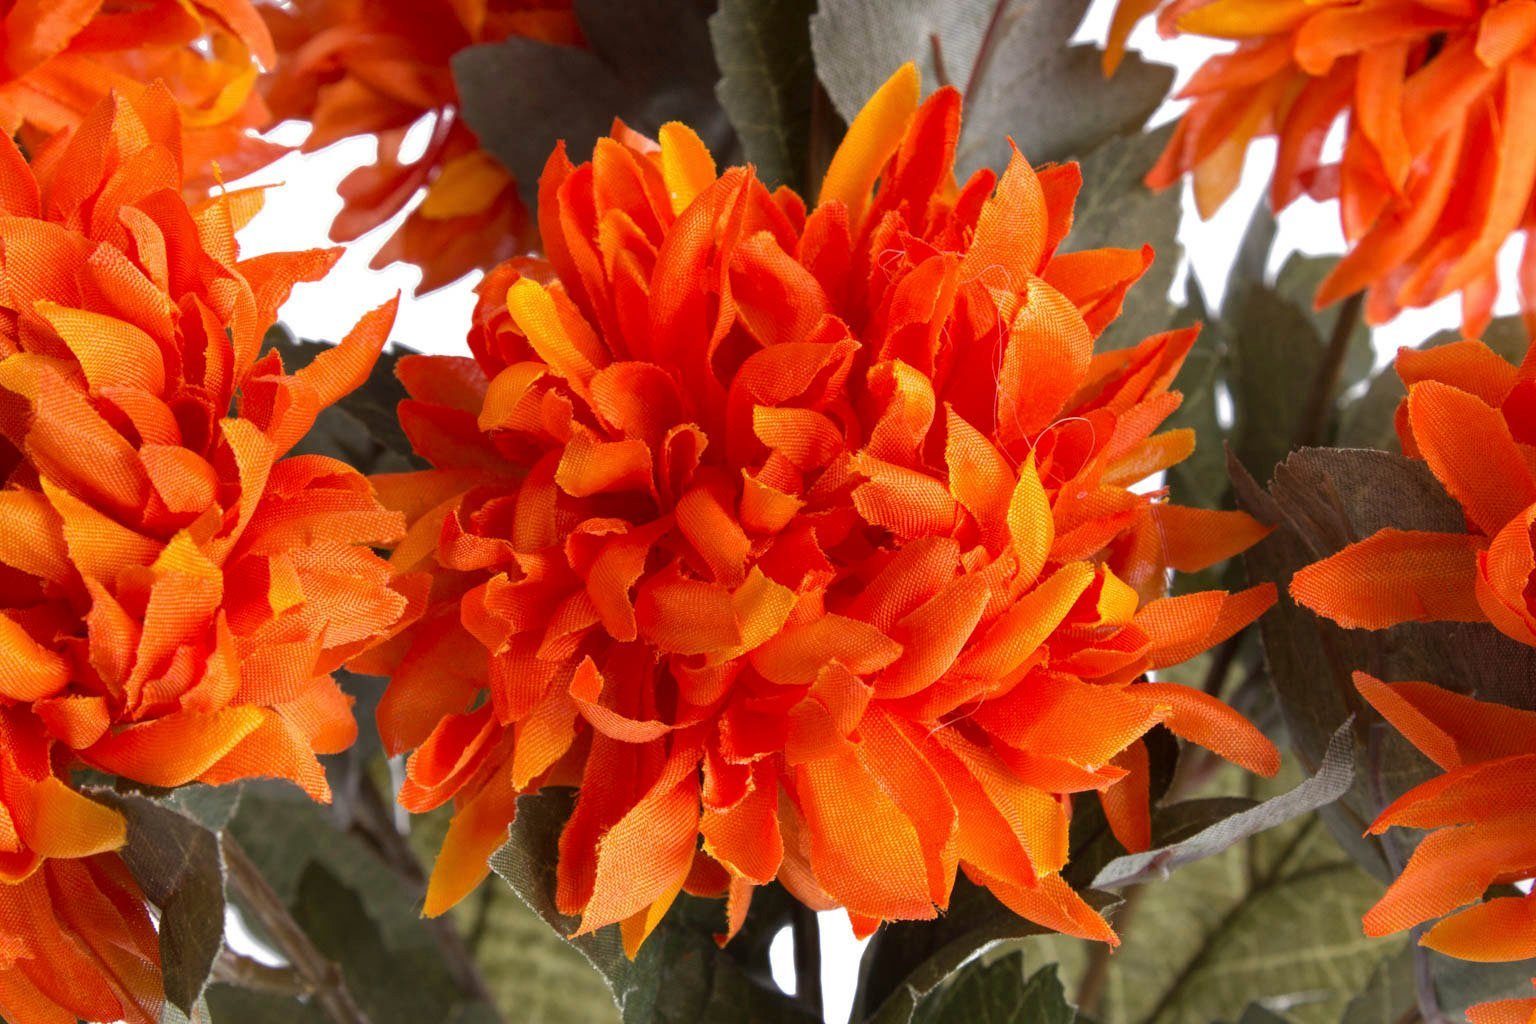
x: 1031, y: 84
x: 176, y: 861
x: 233, y: 1005
x: 1115, y: 210
x: 998, y: 993
x: 1319, y: 501
x: 1273, y: 920
x: 680, y: 976
x: 763, y: 49
x: 911, y: 958
x: 646, y: 61
x: 357, y: 909
x: 1397, y: 990
x: 1332, y: 780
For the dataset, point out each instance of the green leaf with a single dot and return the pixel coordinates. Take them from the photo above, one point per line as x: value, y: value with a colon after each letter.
x: 763, y: 49
x: 357, y: 909
x: 1115, y: 210
x: 176, y: 861
x: 680, y: 975
x: 646, y: 61
x: 909, y: 959
x: 245, y: 1006
x: 1393, y: 993
x: 997, y: 993
x: 1022, y: 76
x: 1332, y: 780
x: 1319, y: 501
x: 1274, y: 919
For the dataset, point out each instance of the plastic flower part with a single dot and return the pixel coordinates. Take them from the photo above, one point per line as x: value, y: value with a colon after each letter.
x: 1471, y: 417
x: 62, y: 58
x: 1435, y: 173
x: 376, y: 68
x: 76, y: 940
x: 176, y: 594
x: 1479, y: 815
x: 807, y: 544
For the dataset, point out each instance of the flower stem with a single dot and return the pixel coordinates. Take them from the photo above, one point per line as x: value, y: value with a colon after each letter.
x: 1325, y: 384
x: 807, y: 940
x: 320, y: 977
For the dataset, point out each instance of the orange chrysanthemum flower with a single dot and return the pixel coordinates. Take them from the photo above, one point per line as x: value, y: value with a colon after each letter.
x: 76, y: 940
x: 377, y: 67
x: 1471, y: 417
x: 173, y: 594
x: 1437, y: 168
x: 812, y: 536
x: 176, y: 593
x: 1482, y: 819
x: 61, y: 59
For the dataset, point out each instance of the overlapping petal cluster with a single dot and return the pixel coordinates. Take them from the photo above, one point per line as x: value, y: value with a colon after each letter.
x: 1471, y: 416
x: 378, y: 67
x: 1483, y: 833
x: 806, y: 543
x: 1437, y: 169
x: 76, y: 940
x: 173, y: 593
x: 60, y: 59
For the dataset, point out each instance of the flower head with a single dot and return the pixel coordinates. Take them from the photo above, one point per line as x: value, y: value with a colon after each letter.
x: 805, y: 542
x: 1436, y: 171
x: 176, y: 593
x: 1480, y: 818
x: 61, y: 59
x: 1471, y: 416
x: 376, y: 68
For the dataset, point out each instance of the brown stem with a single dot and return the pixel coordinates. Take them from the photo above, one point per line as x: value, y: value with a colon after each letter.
x: 940, y: 72
x: 807, y: 941
x: 986, y: 49
x: 320, y: 976
x: 376, y: 821
x: 1314, y: 425
x: 1090, y: 992
x: 233, y: 969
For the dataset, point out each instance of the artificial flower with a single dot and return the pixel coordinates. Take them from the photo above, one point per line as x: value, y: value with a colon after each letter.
x: 59, y: 60
x: 379, y: 67
x: 1482, y: 826
x: 1471, y: 416
x: 807, y: 543
x: 1436, y: 170
x: 176, y: 593
x: 76, y: 940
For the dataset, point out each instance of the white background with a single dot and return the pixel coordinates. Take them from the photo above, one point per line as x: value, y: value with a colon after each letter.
x: 299, y: 212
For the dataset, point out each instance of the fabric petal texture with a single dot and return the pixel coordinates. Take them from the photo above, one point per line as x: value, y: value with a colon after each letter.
x: 1434, y: 175
x: 804, y: 541
x: 176, y: 592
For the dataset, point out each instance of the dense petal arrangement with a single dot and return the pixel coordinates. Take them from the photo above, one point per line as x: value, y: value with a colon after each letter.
x: 805, y: 542
x: 1471, y: 416
x: 76, y: 940
x: 61, y: 59
x: 1437, y: 169
x: 175, y: 593
x: 376, y: 68
x: 1481, y: 816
